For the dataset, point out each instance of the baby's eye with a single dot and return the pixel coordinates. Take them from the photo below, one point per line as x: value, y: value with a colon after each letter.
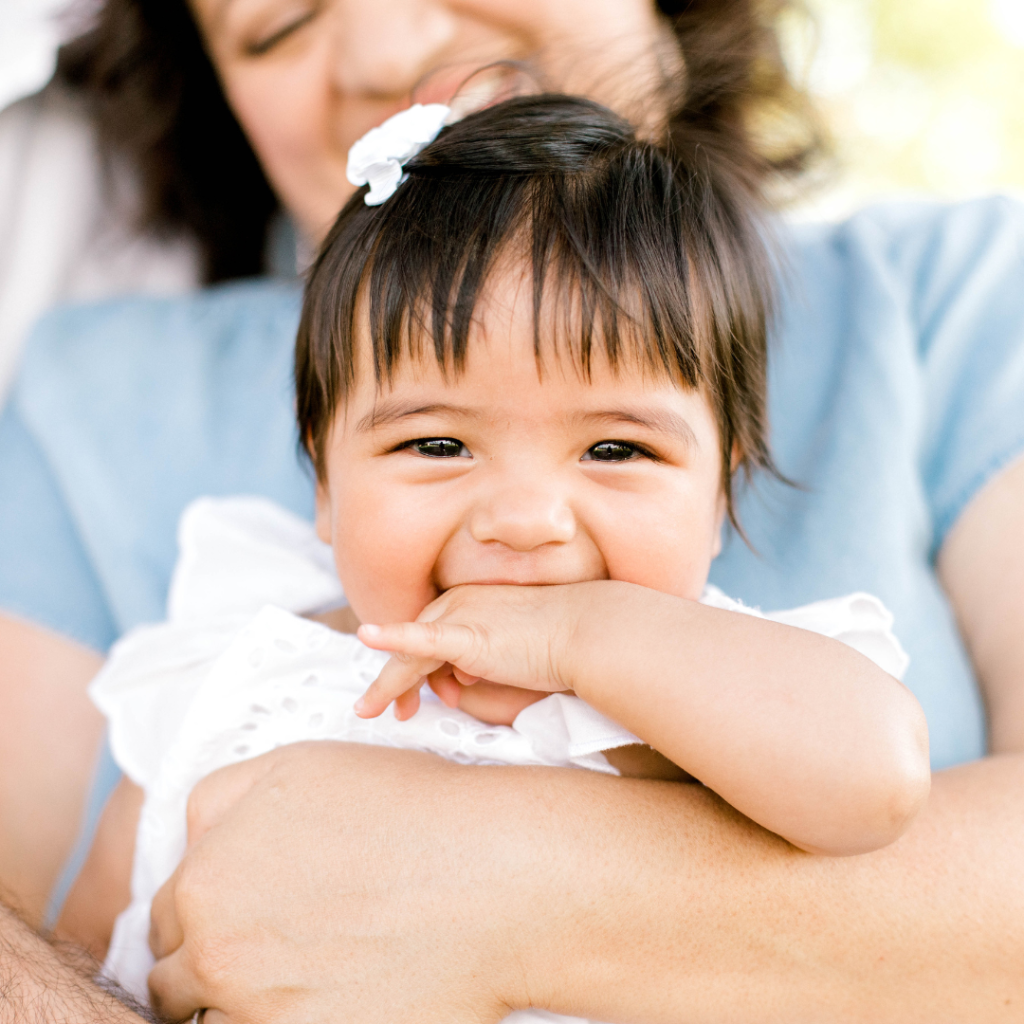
x: 613, y: 451
x: 439, y: 447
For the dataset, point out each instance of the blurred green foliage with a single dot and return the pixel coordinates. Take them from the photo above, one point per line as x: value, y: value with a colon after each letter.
x: 922, y: 96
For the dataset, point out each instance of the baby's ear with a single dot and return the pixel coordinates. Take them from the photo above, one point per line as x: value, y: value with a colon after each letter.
x: 716, y: 547
x: 722, y: 509
x: 736, y: 458
x: 323, y: 513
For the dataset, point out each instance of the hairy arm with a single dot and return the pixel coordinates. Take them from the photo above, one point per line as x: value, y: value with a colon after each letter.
x: 49, y: 740
x: 45, y: 984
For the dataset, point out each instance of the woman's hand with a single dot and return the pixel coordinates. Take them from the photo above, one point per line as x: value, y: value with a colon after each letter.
x: 497, y: 638
x: 330, y: 881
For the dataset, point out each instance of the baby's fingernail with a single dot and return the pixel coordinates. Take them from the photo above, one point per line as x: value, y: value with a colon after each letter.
x: 369, y: 631
x: 359, y: 705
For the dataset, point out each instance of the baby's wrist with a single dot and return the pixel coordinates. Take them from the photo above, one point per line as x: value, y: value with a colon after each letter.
x: 607, y: 624
x: 576, y: 653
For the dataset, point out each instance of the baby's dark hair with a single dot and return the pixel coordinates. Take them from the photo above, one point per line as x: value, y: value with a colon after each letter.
x: 653, y: 256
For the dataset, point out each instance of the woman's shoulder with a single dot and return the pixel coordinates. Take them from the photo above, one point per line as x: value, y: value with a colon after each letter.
x: 934, y: 287
x: 138, y: 331
x: 126, y: 411
x: 901, y: 226
x: 922, y: 249
x: 160, y: 367
x: 133, y: 352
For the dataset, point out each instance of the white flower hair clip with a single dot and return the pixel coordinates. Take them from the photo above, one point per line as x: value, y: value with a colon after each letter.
x: 378, y: 157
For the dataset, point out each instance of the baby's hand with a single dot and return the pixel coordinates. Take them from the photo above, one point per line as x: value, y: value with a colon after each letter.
x: 514, y: 636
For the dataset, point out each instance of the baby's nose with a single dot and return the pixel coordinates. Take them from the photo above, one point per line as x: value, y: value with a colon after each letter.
x: 523, y: 517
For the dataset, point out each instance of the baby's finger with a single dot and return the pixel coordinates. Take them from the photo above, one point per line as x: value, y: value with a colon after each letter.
x: 438, y: 641
x: 407, y: 704
x: 399, y: 676
x: 419, y: 648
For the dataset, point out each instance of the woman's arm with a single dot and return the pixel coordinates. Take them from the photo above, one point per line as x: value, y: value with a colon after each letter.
x: 103, y: 886
x: 609, y: 898
x: 49, y: 739
x: 605, y: 898
x: 799, y: 732
x: 981, y: 567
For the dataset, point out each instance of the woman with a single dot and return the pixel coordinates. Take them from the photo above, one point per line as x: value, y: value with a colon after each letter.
x: 897, y: 404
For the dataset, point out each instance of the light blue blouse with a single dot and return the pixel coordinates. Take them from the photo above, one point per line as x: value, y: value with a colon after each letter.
x: 896, y: 391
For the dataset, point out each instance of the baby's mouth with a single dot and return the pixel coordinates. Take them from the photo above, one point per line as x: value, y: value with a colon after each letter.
x: 508, y: 581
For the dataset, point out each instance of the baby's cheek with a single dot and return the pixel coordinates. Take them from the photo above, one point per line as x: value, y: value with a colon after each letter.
x: 381, y: 596
x: 669, y: 565
x: 664, y: 541
x: 384, y: 583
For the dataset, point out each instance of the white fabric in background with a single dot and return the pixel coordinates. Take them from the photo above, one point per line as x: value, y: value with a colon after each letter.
x: 30, y: 32
x: 67, y: 228
x: 235, y: 672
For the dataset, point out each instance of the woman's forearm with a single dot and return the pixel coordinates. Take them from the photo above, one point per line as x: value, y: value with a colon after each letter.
x: 50, y: 735
x: 401, y: 887
x: 726, y: 923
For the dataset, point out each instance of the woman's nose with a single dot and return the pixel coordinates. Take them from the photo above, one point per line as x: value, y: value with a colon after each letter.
x: 384, y: 48
x: 523, y: 518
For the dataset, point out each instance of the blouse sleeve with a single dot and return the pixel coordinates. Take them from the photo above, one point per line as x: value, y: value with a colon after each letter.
x: 45, y: 573
x: 966, y: 275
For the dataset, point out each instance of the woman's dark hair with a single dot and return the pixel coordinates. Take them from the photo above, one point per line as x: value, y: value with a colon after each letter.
x: 156, y: 102
x: 637, y: 252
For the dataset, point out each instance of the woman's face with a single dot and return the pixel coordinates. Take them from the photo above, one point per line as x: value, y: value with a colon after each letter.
x: 306, y: 78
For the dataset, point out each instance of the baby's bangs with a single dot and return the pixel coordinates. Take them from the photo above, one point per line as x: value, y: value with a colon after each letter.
x: 643, y: 255
x: 605, y: 250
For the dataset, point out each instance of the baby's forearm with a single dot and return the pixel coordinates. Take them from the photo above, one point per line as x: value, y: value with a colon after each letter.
x: 799, y: 732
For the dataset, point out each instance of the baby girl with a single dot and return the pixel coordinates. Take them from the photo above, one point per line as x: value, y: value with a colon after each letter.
x: 531, y: 364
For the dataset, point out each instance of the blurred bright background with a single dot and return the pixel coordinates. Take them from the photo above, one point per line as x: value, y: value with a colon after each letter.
x: 923, y: 97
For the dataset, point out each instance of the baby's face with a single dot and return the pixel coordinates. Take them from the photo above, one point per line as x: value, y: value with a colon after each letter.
x: 503, y: 474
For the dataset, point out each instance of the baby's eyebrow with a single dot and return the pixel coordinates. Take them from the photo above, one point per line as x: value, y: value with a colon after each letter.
x: 387, y: 412
x: 664, y: 421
